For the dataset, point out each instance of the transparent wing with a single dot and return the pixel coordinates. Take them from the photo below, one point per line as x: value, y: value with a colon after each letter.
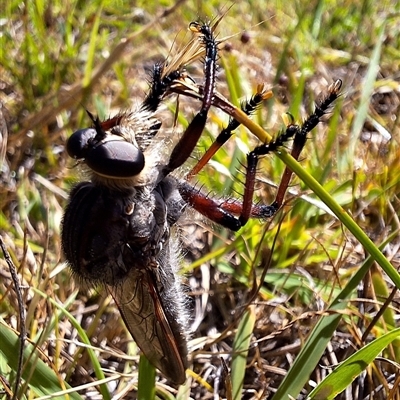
x: 146, y: 318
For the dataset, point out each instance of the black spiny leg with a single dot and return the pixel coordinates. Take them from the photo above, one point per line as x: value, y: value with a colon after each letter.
x: 300, y: 136
x: 224, y: 212
x: 159, y: 86
x: 248, y: 108
x: 191, y: 136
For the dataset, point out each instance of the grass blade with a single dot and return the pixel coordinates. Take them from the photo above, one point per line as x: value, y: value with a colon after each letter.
x: 316, y: 343
x: 42, y: 379
x: 240, y: 350
x: 82, y: 334
x: 346, y: 372
x: 366, y: 94
x: 147, y: 380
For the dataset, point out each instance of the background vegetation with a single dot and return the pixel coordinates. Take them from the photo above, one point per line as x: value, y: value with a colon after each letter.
x: 59, y: 58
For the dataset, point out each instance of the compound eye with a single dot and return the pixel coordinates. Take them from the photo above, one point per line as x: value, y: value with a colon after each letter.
x: 115, y: 159
x: 79, y: 143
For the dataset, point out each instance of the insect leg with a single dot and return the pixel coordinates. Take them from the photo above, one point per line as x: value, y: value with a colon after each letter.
x: 160, y: 84
x: 299, y: 133
x: 248, y: 107
x: 223, y: 212
x: 189, y: 139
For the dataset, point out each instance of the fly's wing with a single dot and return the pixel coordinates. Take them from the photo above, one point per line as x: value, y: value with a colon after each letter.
x: 146, y: 318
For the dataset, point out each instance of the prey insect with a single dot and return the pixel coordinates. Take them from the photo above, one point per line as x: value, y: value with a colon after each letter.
x: 118, y: 227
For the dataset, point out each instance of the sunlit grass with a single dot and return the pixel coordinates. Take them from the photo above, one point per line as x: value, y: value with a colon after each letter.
x: 55, y: 62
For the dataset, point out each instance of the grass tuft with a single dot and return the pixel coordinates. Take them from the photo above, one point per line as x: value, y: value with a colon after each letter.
x: 284, y: 306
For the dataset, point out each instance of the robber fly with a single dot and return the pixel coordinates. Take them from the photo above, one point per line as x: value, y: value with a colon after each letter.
x: 117, y: 227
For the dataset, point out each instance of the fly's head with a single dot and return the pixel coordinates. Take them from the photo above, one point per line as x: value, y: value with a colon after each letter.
x: 113, y: 150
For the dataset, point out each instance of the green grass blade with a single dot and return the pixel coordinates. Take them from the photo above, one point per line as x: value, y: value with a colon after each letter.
x: 316, y: 187
x: 42, y: 379
x: 316, y: 343
x: 343, y: 216
x: 366, y: 94
x: 381, y: 290
x: 345, y: 373
x: 82, y: 334
x: 147, y: 380
x: 92, y: 48
x: 240, y: 350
